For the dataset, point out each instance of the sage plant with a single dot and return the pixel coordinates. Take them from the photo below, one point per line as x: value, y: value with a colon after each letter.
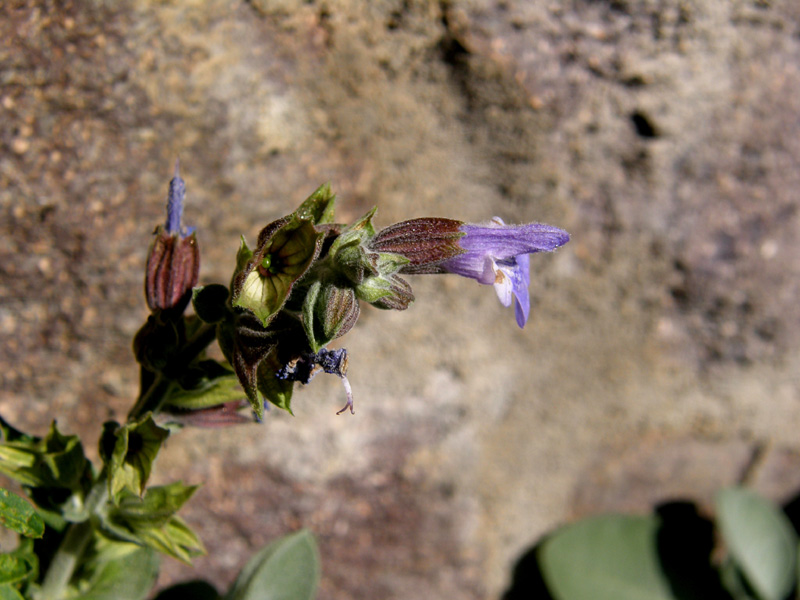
x: 295, y: 291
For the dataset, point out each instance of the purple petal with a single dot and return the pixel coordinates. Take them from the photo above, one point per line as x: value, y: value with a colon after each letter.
x: 177, y: 192
x: 512, y: 281
x: 521, y: 281
x: 501, y: 242
x: 505, y: 241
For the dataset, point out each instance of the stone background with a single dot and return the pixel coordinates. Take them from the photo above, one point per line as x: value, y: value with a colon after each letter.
x: 662, y: 356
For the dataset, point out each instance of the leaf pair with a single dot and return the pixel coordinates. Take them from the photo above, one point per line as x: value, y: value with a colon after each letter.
x: 620, y: 557
x: 145, y: 516
x: 151, y: 521
x: 53, y: 468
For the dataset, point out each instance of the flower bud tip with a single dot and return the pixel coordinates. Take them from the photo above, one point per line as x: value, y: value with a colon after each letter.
x: 177, y: 192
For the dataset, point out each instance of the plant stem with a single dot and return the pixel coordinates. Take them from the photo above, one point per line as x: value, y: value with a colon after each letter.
x: 206, y: 334
x: 65, y: 560
x: 70, y: 552
x: 151, y: 400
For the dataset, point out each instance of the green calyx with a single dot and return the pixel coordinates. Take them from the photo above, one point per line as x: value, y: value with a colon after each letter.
x: 286, y: 250
x: 329, y: 311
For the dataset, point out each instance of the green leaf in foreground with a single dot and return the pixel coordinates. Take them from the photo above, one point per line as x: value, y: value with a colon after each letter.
x: 287, y: 569
x: 8, y: 592
x: 761, y: 541
x: 205, y: 385
x: 13, y: 568
x: 116, y: 571
x: 135, y: 447
x: 18, y: 515
x: 611, y: 557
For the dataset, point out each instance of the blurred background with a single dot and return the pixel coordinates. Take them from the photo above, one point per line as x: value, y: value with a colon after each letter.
x: 661, y: 359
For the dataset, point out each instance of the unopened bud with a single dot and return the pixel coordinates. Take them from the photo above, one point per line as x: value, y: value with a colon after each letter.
x: 390, y: 293
x: 329, y: 311
x: 173, y: 268
x: 173, y: 263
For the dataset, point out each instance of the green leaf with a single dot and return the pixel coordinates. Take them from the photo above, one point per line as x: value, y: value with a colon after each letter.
x: 13, y: 568
x: 11, y: 434
x: 54, y: 468
x: 175, y: 539
x: 761, y: 541
x: 8, y: 592
x: 208, y: 387
x: 318, y: 207
x: 287, y: 569
x: 18, y: 515
x: 136, y: 447
x: 733, y: 581
x: 26, y: 552
x: 386, y: 263
x: 116, y: 571
x: 157, y: 506
x: 210, y: 302
x: 56, y: 460
x: 277, y: 391
x: 18, y: 568
x: 151, y: 521
x: 611, y: 557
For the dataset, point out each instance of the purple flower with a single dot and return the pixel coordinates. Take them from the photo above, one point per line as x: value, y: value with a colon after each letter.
x: 497, y: 254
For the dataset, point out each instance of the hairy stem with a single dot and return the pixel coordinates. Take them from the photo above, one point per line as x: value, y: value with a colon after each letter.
x: 65, y: 560
x: 152, y: 399
x: 69, y: 554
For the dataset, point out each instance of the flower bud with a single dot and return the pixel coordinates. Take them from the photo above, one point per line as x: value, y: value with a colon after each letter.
x: 173, y: 267
x: 390, y: 293
x: 329, y: 311
x: 173, y: 263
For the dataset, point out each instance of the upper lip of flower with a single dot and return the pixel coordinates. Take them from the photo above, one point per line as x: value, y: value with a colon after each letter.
x: 497, y: 254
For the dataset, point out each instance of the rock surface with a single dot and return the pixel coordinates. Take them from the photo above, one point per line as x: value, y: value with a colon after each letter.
x: 663, y: 349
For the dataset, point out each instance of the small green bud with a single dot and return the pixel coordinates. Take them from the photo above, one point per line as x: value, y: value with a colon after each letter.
x: 329, y: 311
x: 391, y: 293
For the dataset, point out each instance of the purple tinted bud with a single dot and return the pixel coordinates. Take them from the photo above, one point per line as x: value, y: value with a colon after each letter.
x: 497, y: 254
x: 173, y: 263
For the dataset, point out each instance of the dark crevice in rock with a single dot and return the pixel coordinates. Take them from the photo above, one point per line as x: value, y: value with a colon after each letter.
x: 644, y: 125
